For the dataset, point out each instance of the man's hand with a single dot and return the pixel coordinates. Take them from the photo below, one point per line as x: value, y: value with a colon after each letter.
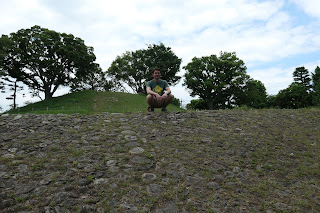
x: 159, y: 97
x: 164, y: 96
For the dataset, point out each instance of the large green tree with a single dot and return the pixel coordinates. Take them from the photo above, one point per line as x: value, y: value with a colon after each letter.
x: 294, y: 97
x: 44, y: 59
x: 316, y: 86
x: 95, y: 80
x: 218, y: 80
x: 254, y: 95
x: 134, y: 68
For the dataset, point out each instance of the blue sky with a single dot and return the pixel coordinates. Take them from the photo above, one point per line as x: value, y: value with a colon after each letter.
x: 272, y: 37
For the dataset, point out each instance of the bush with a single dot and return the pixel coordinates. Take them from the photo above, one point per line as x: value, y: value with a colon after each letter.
x: 176, y: 102
x: 198, y: 104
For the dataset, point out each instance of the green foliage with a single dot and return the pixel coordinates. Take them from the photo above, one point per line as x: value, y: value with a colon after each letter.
x: 255, y: 95
x: 176, y: 102
x: 134, y: 68
x: 96, y: 80
x: 316, y: 75
x: 6, y: 82
x: 44, y: 59
x: 301, y: 75
x: 316, y: 86
x: 270, y: 101
x: 90, y: 178
x: 5, y: 45
x: 295, y: 96
x: 219, y: 80
x: 198, y: 104
x: 299, y: 93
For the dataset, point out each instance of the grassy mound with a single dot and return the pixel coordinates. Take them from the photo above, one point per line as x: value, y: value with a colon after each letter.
x: 89, y: 102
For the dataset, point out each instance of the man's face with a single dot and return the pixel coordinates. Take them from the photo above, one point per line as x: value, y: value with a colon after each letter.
x: 156, y: 74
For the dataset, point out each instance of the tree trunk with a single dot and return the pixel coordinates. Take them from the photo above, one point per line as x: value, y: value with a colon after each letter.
x: 47, y: 93
x: 210, y: 104
x: 15, y: 95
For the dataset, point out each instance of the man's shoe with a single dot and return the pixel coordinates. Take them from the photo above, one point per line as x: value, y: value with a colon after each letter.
x: 163, y: 110
x: 150, y: 109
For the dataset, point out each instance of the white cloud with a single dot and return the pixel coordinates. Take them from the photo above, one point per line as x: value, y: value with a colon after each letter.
x: 278, y: 78
x: 253, y: 44
x: 311, y: 7
x: 311, y: 66
x: 274, y: 79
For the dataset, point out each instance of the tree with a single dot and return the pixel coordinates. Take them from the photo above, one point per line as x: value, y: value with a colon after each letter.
x: 219, y: 81
x: 316, y: 86
x: 134, y: 68
x: 254, y: 95
x: 316, y: 75
x: 15, y: 88
x: 96, y: 80
x: 5, y: 45
x: 301, y: 75
x: 197, y: 104
x: 44, y: 59
x: 271, y: 101
x: 294, y: 97
x: 5, y: 81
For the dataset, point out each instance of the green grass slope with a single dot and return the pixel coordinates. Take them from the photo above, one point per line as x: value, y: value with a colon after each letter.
x: 90, y: 102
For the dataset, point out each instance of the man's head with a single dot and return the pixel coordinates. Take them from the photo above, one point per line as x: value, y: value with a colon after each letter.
x: 156, y: 73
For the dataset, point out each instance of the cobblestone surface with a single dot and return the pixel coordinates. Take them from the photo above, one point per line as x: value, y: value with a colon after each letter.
x: 210, y: 161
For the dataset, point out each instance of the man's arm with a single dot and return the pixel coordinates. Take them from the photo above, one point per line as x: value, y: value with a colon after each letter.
x: 167, y: 92
x: 150, y: 92
x: 167, y: 89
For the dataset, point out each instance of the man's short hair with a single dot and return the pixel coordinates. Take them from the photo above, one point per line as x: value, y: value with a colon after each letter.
x: 156, y: 69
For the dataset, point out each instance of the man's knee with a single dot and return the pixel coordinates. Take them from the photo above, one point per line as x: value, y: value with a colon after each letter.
x: 150, y: 99
x: 169, y: 99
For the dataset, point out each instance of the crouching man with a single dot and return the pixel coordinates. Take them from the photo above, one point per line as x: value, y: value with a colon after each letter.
x: 159, y: 93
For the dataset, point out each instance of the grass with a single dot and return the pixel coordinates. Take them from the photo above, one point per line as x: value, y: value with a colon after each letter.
x: 90, y: 102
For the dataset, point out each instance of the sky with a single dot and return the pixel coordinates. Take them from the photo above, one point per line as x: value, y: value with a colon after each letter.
x: 272, y: 37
